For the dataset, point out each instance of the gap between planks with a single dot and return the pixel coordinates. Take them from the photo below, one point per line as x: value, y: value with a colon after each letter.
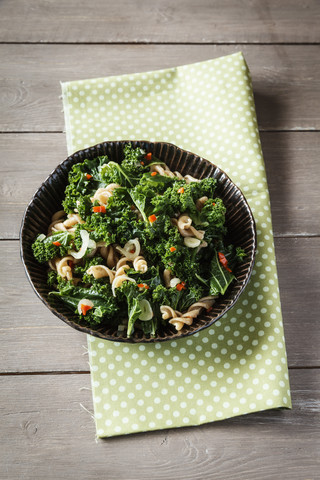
x: 87, y: 372
x: 141, y: 42
x: 289, y: 130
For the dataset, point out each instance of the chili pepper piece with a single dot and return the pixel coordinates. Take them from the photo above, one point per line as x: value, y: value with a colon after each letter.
x: 88, y: 176
x: 173, y: 249
x: 85, y: 308
x: 148, y: 156
x: 153, y: 174
x: 152, y: 218
x: 224, y: 261
x: 99, y: 209
x: 57, y: 244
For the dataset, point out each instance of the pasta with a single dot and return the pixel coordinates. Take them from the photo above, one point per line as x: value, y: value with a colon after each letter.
x: 167, y: 277
x: 162, y: 170
x: 109, y: 254
x: 67, y: 225
x: 118, y: 281
x: 103, y: 194
x: 168, y: 312
x: 165, y: 170
x: 185, y: 228
x: 193, y: 311
x: 63, y: 267
x: 101, y: 271
x: 190, y: 178
x: 140, y: 264
x: 137, y: 233
x: 200, y: 202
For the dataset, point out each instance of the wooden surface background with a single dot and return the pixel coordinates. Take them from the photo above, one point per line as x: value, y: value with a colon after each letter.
x: 44, y: 377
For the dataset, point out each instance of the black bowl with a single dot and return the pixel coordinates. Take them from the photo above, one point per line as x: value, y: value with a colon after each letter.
x: 47, y: 200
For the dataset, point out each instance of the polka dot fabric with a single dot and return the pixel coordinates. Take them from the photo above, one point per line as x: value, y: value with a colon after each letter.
x: 238, y: 365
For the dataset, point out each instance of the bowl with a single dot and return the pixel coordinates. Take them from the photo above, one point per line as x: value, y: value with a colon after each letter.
x: 47, y: 200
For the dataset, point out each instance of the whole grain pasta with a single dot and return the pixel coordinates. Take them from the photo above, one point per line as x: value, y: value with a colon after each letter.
x: 193, y: 311
x: 101, y: 271
x: 140, y: 264
x: 103, y: 194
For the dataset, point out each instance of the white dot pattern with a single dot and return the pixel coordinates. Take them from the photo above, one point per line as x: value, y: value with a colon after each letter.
x: 239, y: 364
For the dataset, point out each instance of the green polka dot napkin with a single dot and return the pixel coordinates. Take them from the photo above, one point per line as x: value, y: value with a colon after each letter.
x: 238, y: 365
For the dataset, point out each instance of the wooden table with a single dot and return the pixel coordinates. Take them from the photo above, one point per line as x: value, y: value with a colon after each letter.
x: 45, y: 381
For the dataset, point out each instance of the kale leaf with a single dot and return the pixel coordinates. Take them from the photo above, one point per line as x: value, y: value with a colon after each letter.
x: 44, y: 249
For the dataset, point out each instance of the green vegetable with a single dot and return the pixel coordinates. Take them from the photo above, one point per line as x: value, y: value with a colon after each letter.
x: 105, y: 305
x: 79, y: 186
x: 44, y: 249
x: 220, y: 277
x: 145, y: 207
x: 130, y: 291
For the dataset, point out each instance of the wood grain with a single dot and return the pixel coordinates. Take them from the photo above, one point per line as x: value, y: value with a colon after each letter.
x: 46, y: 434
x: 285, y: 78
x: 293, y: 169
x: 27, y: 160
x: 182, y: 21
x: 34, y: 340
x: 291, y: 161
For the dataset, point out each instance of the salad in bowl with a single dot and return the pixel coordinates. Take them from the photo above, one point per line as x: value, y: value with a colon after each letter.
x: 140, y: 249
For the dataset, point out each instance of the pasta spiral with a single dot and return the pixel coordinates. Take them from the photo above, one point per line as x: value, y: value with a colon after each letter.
x: 100, y: 271
x: 167, y: 277
x: 58, y: 224
x: 118, y: 281
x: 120, y: 274
x: 140, y: 264
x: 103, y: 194
x: 109, y: 254
x: 122, y: 263
x: 63, y: 267
x: 185, y: 228
x: 73, y: 219
x: 168, y: 312
x: 162, y: 170
x: 193, y: 311
x: 190, y: 178
x: 200, y: 202
x: 165, y: 170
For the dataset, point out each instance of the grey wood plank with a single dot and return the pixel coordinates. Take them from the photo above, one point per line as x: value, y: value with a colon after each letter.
x: 26, y: 161
x: 32, y: 339
x: 291, y: 161
x: 293, y: 169
x: 161, y: 21
x: 46, y: 434
x: 285, y: 78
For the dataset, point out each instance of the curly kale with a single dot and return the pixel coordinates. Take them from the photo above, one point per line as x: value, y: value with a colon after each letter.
x: 182, y: 197
x: 179, y: 300
x: 105, y: 304
x: 211, y: 219
x: 143, y: 207
x: 56, y: 245
x: 83, y: 180
x: 80, y: 270
x: 131, y: 169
